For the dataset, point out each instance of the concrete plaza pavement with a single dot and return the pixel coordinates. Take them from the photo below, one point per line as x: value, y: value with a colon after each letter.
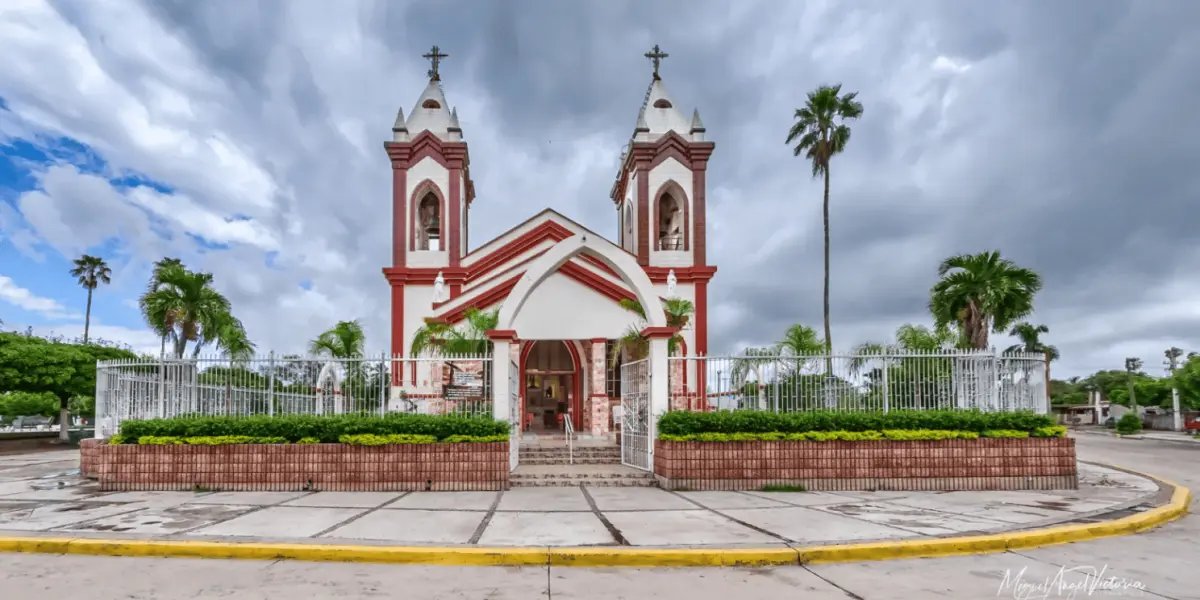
x: 1158, y: 564
x: 39, y: 493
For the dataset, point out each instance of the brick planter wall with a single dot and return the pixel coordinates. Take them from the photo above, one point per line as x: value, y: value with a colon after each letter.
x: 297, y: 467
x: 944, y: 465
x: 88, y: 451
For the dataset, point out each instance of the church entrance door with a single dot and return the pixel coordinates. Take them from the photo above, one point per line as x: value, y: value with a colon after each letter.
x: 551, y: 390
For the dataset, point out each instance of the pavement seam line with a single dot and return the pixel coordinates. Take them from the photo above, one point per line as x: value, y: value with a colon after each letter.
x: 738, y: 521
x: 487, y: 519
x: 615, y: 556
x: 616, y: 534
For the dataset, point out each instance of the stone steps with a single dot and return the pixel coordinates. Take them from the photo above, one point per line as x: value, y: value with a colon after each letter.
x: 565, y: 460
x: 580, y: 475
x: 597, y: 455
x: 614, y: 482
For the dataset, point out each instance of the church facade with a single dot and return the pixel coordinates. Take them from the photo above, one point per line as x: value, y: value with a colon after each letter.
x: 556, y: 284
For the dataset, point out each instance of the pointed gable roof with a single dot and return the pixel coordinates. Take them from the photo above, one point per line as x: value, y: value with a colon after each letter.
x: 660, y: 114
x: 431, y: 113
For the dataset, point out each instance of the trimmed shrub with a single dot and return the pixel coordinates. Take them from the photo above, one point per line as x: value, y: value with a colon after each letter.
x: 308, y: 440
x: 1047, y: 432
x: 1004, y: 433
x: 324, y: 429
x: 1129, y: 424
x: 371, y: 439
x: 826, y: 436
x: 754, y: 421
x: 475, y: 439
x: 215, y: 440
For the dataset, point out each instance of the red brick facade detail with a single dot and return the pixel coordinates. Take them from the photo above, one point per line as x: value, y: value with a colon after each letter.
x: 301, y: 467
x: 944, y: 465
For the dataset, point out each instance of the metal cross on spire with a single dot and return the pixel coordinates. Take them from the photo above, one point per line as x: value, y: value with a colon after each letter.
x: 656, y: 55
x: 435, y: 56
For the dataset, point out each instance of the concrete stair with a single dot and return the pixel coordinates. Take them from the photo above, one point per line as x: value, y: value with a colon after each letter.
x: 560, y: 455
x: 590, y: 475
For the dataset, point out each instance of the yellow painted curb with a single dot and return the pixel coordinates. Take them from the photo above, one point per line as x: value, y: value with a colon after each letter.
x: 614, y: 556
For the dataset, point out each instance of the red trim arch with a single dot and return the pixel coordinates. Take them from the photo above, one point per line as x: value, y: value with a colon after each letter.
x: 418, y: 194
x: 672, y: 187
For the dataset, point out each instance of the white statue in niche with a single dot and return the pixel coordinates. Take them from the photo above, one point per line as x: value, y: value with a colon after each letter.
x: 671, y: 281
x: 439, y: 287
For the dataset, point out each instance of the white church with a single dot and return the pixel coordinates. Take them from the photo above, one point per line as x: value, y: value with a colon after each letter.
x: 555, y: 283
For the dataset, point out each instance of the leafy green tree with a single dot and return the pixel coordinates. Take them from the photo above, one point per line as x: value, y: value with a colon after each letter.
x: 982, y: 293
x: 183, y: 305
x: 344, y: 340
x: 468, y: 339
x: 27, y: 404
x: 678, y: 312
x: 91, y: 272
x: 1187, y: 379
x: 33, y: 365
x: 819, y: 133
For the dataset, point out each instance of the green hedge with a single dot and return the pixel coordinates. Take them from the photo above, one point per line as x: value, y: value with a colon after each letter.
x: 314, y: 429
x: 754, y: 421
x: 362, y: 439
x: 910, y: 435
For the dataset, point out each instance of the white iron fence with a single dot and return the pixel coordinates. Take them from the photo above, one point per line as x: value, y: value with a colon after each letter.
x: 953, y: 379
x: 289, y: 385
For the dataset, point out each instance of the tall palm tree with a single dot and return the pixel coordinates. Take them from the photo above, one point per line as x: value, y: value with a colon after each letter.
x: 1030, y: 336
x: 819, y: 133
x: 982, y: 293
x: 163, y: 329
x: 186, y: 307
x: 910, y: 339
x: 678, y: 312
x: 469, y: 339
x: 344, y: 340
x: 91, y: 271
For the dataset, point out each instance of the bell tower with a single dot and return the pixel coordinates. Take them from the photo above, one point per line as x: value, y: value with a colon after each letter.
x: 431, y: 198
x: 659, y: 195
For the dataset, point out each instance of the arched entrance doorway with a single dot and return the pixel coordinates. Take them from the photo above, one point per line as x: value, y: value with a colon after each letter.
x: 552, y: 386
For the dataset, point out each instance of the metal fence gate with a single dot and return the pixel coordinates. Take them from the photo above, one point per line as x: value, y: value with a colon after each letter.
x: 514, y: 416
x: 635, y: 414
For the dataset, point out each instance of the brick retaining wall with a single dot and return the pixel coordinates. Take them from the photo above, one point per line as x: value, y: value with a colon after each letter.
x: 297, y: 467
x: 88, y: 450
x: 944, y: 465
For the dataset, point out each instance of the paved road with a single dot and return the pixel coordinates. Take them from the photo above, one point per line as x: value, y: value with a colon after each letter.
x: 1162, y: 563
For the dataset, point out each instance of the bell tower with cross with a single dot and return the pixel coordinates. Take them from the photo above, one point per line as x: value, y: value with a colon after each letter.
x: 432, y: 193
x: 659, y: 194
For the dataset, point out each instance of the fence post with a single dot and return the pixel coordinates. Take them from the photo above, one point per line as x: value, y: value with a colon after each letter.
x: 385, y: 383
x: 885, y: 383
x: 162, y: 387
x: 271, y: 384
x: 1046, y: 383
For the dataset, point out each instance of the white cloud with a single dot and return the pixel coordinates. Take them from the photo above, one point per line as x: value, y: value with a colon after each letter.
x: 20, y: 297
x: 267, y: 125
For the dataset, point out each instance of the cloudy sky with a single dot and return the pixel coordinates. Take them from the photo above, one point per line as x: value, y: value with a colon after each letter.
x: 246, y: 138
